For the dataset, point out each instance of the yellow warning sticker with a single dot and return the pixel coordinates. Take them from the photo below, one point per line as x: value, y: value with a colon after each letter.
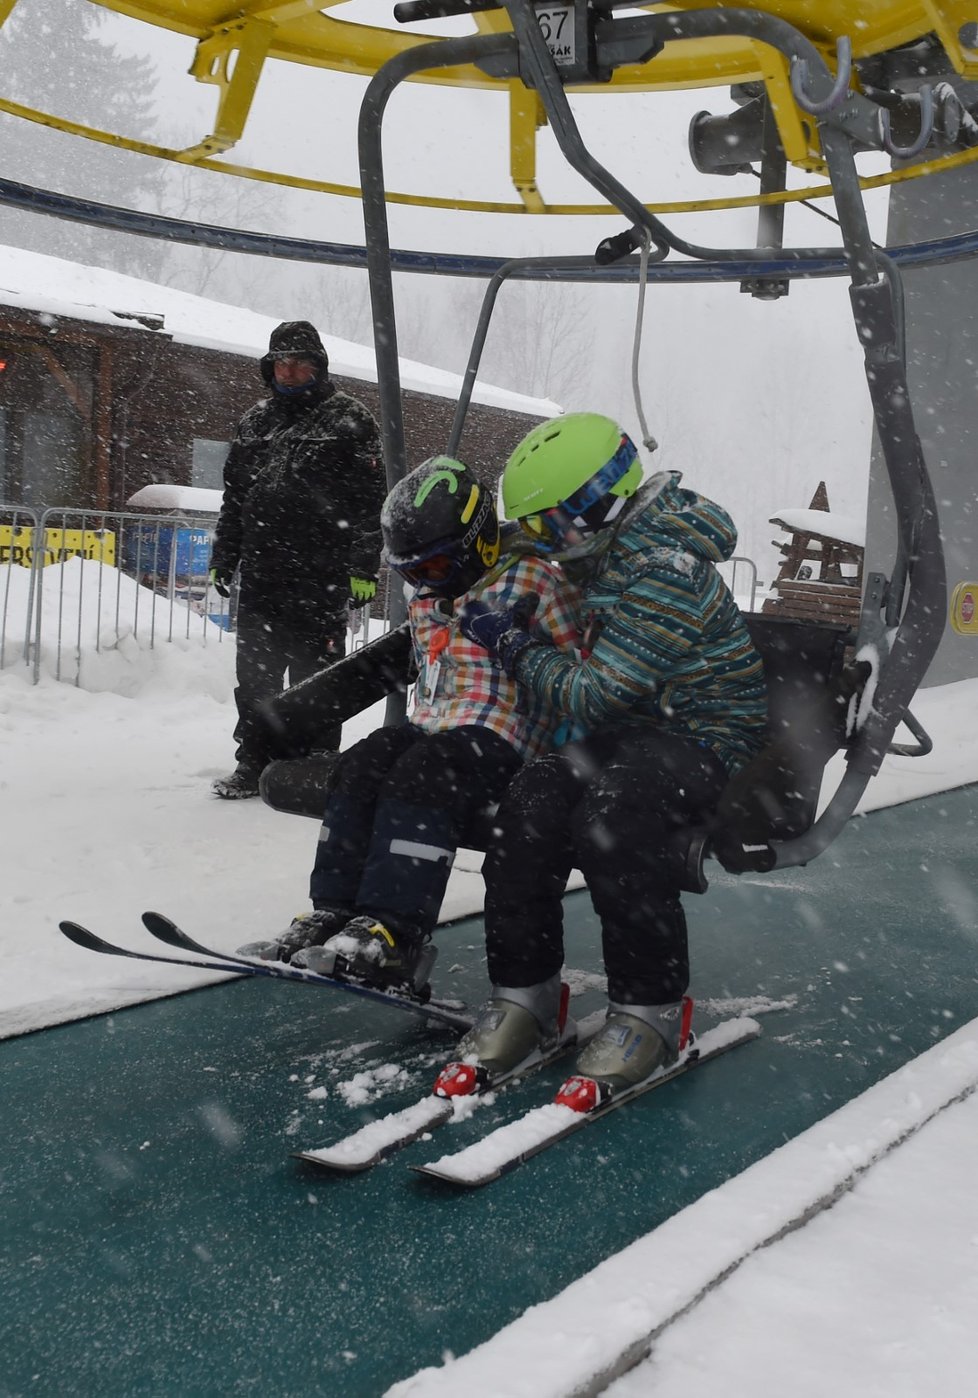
x: 964, y: 609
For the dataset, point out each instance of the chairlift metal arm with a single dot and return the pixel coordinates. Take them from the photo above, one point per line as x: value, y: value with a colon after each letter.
x: 923, y: 745
x: 506, y: 52
x: 838, y: 812
x: 440, y: 53
x: 537, y: 68
x: 920, y: 567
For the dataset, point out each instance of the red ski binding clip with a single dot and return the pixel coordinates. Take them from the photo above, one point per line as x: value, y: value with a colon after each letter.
x: 580, y: 1094
x: 459, y: 1080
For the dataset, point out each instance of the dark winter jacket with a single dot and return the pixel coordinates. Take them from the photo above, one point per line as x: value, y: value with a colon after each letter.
x: 666, y: 642
x: 303, y: 487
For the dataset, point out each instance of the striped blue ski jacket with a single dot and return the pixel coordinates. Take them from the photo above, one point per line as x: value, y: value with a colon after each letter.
x: 664, y: 641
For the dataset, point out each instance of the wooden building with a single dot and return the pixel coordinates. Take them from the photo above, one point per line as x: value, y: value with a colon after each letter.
x: 820, y: 577
x: 108, y: 384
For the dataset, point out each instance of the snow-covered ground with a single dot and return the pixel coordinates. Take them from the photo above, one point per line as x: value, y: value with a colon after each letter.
x: 107, y: 811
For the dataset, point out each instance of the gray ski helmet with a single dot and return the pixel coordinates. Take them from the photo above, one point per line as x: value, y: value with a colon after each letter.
x: 440, y: 527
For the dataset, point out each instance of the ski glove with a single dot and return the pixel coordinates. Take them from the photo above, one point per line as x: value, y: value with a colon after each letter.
x: 362, y: 591
x: 505, y: 634
x: 221, y: 581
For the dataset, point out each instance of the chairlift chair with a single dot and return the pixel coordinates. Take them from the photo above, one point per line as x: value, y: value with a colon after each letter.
x: 767, y: 817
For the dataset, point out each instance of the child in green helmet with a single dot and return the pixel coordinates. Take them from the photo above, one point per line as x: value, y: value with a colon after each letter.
x: 666, y: 701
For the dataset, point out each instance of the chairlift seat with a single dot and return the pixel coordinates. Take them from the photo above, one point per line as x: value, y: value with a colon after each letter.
x: 773, y: 798
x: 297, y: 786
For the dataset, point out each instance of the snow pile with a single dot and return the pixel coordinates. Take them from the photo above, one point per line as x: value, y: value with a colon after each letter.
x: 372, y: 1083
x: 108, y: 633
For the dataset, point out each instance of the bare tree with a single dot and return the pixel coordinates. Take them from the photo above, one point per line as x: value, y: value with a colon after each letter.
x: 230, y: 202
x: 537, y: 336
x: 337, y: 299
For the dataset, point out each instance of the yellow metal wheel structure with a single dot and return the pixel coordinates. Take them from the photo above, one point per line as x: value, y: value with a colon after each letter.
x: 234, y: 38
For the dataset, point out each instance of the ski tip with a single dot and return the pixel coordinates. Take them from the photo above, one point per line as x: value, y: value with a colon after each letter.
x: 78, y: 934
x: 322, y: 1162
x: 429, y: 1172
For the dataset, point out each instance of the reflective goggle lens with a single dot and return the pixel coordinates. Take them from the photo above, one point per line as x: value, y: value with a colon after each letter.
x: 428, y: 570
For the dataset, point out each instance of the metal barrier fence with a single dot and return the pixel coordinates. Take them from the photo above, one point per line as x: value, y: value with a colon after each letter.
x: 77, y: 581
x: 740, y: 575
x: 16, y: 610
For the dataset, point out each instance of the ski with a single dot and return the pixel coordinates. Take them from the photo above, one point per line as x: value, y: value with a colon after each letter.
x: 164, y: 929
x: 541, y: 1127
x: 218, y: 961
x: 452, y: 1096
x: 371, y: 1144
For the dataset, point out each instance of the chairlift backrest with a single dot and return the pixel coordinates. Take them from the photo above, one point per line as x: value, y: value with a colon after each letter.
x: 774, y: 797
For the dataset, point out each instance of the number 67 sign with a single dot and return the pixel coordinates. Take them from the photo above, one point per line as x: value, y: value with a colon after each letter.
x: 557, y: 27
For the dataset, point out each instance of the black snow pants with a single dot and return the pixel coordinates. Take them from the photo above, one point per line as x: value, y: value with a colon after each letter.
x: 267, y: 647
x: 606, y: 805
x: 398, y: 805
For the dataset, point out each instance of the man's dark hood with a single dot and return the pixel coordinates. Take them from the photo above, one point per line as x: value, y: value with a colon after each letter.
x: 295, y: 337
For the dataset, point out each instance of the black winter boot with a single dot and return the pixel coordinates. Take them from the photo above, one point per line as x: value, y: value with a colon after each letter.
x: 241, y: 784
x: 305, y: 930
x: 368, y: 951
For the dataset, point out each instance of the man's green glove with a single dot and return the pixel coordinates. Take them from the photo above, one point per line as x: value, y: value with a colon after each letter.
x: 221, y: 581
x: 362, y: 591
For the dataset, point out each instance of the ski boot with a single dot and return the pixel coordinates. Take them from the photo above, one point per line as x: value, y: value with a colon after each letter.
x: 634, y: 1042
x: 241, y: 784
x: 366, y: 950
x: 306, y: 930
x: 516, y: 1024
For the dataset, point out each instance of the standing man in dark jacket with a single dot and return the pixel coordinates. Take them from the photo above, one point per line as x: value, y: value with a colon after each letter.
x: 303, y: 487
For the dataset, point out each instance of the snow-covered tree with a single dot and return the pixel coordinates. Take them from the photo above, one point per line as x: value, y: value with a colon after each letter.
x: 60, y: 57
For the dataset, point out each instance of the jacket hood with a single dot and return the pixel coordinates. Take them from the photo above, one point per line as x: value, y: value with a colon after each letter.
x: 662, y: 514
x: 294, y: 337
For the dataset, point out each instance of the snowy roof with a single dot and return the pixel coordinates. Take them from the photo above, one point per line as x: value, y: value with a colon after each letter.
x: 845, y: 528
x: 53, y: 286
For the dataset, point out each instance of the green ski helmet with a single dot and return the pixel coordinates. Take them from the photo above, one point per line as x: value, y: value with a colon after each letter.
x: 440, y: 527
x: 568, y: 478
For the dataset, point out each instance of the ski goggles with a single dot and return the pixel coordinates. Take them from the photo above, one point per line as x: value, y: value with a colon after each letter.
x: 431, y: 569
x: 570, y: 522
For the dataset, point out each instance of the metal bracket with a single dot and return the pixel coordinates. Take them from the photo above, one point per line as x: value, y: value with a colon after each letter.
x: 821, y: 106
x: 250, y: 40
x: 921, y: 748
x: 926, y: 128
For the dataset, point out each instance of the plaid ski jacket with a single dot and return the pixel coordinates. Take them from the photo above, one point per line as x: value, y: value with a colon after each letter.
x: 457, y: 682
